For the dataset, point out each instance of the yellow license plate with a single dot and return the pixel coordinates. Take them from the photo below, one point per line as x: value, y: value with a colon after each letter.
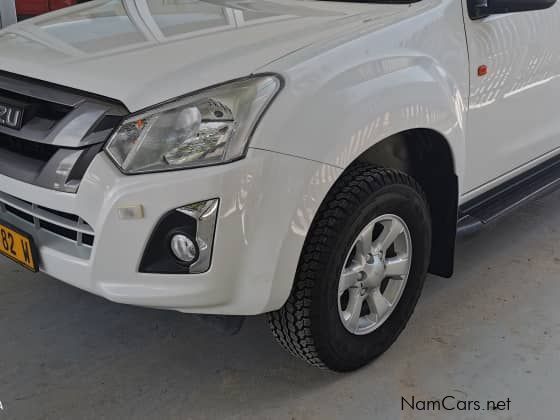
x: 18, y: 247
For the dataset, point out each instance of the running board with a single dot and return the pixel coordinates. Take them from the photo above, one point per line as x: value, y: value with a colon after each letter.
x: 505, y: 198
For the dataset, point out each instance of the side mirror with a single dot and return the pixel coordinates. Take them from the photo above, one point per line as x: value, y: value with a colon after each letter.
x: 482, y: 8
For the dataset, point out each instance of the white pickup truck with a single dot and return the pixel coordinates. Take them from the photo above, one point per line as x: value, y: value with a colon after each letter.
x: 312, y: 160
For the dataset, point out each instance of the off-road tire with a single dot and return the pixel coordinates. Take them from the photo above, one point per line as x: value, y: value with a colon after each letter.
x: 308, y: 325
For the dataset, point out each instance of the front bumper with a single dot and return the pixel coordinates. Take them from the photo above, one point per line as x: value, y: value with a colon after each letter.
x: 267, y: 202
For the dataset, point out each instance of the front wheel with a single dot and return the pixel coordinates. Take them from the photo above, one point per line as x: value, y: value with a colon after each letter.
x: 361, y: 271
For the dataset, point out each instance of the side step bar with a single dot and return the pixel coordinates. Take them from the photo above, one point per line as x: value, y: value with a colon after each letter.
x: 501, y: 200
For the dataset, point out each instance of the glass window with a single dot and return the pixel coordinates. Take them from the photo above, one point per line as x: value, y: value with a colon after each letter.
x: 179, y: 17
x: 105, y: 26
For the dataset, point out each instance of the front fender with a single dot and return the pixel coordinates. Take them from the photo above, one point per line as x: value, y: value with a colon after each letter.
x: 336, y: 121
x: 333, y: 125
x: 345, y: 95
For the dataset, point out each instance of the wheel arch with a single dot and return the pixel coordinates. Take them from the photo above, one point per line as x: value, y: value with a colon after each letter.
x: 427, y: 156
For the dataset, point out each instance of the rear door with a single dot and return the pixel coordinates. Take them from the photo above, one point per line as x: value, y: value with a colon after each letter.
x: 514, y: 116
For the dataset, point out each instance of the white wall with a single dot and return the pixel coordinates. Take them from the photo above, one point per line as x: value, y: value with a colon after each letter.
x: 7, y: 12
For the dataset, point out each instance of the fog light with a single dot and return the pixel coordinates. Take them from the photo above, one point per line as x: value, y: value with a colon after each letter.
x: 183, y: 248
x: 182, y: 240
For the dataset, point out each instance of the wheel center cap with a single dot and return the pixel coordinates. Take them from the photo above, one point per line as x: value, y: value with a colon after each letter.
x: 375, y: 270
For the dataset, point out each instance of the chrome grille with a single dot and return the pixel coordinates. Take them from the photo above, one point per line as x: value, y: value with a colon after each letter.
x: 62, y: 132
x: 64, y: 225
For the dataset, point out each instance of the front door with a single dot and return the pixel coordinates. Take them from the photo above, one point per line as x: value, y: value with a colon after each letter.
x: 514, y: 117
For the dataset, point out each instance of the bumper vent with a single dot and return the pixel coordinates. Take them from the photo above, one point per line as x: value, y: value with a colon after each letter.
x: 64, y: 225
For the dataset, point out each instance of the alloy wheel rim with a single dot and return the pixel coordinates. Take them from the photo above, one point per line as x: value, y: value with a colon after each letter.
x: 375, y: 274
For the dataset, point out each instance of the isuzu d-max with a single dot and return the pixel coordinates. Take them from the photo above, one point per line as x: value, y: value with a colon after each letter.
x: 312, y: 160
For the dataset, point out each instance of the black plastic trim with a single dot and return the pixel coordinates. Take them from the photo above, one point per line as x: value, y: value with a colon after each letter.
x: 506, y: 197
x: 158, y: 257
x: 60, y: 94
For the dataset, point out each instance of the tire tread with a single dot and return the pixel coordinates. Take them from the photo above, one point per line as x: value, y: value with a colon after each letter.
x: 291, y: 325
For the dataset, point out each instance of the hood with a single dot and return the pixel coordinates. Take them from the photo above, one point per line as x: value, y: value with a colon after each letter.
x: 142, y: 52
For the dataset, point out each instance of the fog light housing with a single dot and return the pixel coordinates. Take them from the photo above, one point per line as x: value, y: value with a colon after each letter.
x: 183, y: 248
x: 183, y: 240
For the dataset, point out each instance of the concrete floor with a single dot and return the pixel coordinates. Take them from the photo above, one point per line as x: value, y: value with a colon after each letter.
x: 490, y: 332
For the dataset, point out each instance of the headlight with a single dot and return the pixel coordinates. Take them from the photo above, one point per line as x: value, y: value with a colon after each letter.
x: 203, y: 129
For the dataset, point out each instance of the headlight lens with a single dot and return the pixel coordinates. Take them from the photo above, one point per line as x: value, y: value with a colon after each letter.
x: 203, y: 129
